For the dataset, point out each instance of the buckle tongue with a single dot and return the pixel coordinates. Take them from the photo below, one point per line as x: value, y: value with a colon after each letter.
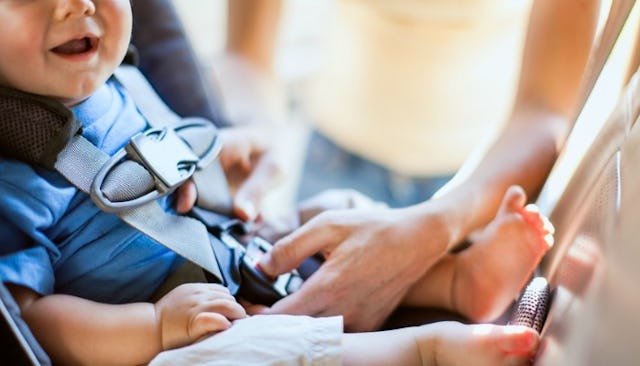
x: 167, y: 157
x: 162, y: 153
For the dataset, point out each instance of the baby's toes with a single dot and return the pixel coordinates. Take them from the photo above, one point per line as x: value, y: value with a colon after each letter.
x: 513, y: 201
x: 540, y: 223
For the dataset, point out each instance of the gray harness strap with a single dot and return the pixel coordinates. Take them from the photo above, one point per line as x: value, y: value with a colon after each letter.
x: 80, y: 161
x: 163, y: 157
x: 209, y: 178
x: 147, y: 100
x: 153, y: 164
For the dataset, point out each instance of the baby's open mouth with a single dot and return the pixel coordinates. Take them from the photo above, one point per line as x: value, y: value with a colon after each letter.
x: 77, y: 46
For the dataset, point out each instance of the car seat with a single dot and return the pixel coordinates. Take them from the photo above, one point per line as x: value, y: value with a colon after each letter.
x: 593, y: 268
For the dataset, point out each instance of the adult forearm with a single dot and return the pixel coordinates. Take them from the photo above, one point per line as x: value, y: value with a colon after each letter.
x: 75, y: 331
x: 559, y: 42
x: 523, y: 155
x: 252, y: 30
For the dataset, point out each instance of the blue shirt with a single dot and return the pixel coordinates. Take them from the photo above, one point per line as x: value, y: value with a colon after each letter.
x: 55, y: 240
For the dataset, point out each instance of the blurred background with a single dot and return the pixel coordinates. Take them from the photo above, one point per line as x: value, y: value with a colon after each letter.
x: 297, y: 52
x: 300, y: 53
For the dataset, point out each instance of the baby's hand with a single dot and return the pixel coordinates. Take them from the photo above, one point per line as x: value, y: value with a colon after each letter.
x: 252, y: 166
x: 193, y: 310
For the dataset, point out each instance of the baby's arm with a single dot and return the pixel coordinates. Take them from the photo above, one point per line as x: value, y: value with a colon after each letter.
x: 77, y: 331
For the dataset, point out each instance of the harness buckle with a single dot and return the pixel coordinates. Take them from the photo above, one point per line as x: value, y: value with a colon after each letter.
x: 167, y: 157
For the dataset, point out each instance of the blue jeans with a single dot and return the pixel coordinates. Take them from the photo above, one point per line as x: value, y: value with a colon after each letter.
x: 329, y: 166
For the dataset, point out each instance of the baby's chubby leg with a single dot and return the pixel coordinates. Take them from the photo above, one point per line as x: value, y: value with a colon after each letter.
x: 442, y: 344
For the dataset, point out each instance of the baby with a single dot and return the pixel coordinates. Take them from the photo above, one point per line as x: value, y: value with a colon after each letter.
x: 83, y: 278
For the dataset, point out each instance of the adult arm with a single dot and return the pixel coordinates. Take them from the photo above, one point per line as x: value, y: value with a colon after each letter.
x: 374, y: 256
x: 253, y: 94
x: 252, y: 31
x: 558, y: 45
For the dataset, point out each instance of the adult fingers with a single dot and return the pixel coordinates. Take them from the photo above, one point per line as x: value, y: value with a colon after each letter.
x: 311, y: 299
x: 266, y: 175
x: 289, y: 252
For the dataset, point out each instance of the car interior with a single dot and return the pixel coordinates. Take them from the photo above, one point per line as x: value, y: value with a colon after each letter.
x: 592, y: 197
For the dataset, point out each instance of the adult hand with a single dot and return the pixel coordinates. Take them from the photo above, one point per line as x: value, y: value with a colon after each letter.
x: 372, y: 257
x: 330, y: 199
x: 252, y: 166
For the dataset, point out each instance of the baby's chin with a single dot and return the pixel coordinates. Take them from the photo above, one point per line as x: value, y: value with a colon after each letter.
x: 75, y: 91
x: 71, y: 98
x: 78, y: 96
x: 67, y: 98
x: 72, y: 102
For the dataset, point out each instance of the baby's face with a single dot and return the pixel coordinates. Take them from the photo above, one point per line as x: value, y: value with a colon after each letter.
x: 63, y: 49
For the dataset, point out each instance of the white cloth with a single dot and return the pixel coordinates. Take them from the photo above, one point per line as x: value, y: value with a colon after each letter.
x: 266, y: 340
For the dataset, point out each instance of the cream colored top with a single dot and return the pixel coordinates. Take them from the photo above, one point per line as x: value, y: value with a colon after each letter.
x: 416, y: 85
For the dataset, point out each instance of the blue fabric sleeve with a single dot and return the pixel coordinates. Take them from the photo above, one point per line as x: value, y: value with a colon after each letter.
x: 55, y: 240
x: 30, y: 268
x: 22, y: 263
x: 29, y: 205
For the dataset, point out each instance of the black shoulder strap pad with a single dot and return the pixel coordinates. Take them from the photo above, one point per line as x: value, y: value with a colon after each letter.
x: 34, y: 129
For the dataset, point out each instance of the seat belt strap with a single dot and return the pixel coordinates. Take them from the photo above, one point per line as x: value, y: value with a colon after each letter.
x: 157, y: 113
x: 43, y: 132
x: 93, y: 172
x: 80, y: 161
x: 213, y: 192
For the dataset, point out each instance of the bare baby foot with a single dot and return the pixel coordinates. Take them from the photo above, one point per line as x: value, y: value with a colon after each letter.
x: 452, y: 343
x: 491, y: 273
